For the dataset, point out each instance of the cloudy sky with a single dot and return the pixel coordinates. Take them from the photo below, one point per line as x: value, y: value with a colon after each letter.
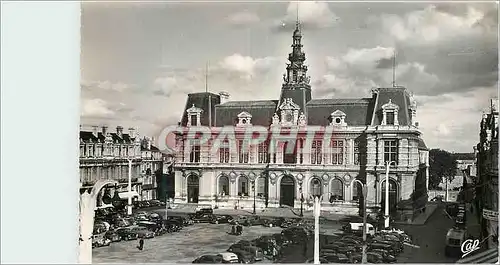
x: 139, y: 60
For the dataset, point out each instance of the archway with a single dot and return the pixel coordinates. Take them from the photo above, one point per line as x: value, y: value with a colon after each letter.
x: 193, y: 188
x: 223, y: 186
x: 393, y: 194
x: 287, y: 191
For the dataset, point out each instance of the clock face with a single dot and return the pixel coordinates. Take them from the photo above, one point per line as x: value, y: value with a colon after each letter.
x: 289, y: 117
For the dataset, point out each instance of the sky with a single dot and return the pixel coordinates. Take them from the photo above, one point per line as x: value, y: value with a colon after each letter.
x: 139, y: 60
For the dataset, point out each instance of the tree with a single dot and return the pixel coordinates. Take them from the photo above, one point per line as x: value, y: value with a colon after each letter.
x: 441, y: 164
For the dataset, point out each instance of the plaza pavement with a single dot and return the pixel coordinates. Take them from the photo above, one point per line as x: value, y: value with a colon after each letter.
x: 181, y: 247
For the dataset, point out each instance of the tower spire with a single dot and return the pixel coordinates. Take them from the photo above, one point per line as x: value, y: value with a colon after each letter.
x: 209, y: 97
x: 297, y: 22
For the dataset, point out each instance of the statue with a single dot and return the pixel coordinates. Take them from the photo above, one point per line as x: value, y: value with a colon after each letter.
x: 302, y: 119
x: 276, y: 119
x: 284, y: 78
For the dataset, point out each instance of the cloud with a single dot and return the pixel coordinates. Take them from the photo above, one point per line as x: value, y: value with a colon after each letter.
x: 312, y: 15
x: 96, y: 108
x: 236, y: 73
x: 243, y: 18
x: 106, y: 86
x: 358, y: 70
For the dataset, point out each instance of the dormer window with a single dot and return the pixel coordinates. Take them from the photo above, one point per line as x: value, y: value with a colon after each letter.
x: 338, y: 118
x: 194, y: 116
x: 244, y: 119
x: 390, y: 113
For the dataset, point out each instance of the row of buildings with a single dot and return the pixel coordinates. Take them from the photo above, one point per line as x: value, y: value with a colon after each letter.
x: 366, y: 134
x: 105, y: 154
x: 486, y: 182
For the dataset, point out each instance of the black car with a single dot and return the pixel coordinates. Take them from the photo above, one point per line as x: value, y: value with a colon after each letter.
x: 205, y: 211
x: 244, y: 256
x: 208, y: 259
x: 127, y: 233
x: 204, y: 218
x: 388, y: 258
x: 221, y: 219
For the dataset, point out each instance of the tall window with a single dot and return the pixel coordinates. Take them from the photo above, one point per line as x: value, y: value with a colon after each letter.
x: 316, y: 156
x: 357, y: 158
x: 194, y: 120
x: 337, y: 152
x: 391, y: 151
x: 315, y: 187
x: 224, y: 152
x: 194, y: 156
x: 243, y: 150
x: 261, y: 186
x: 223, y: 186
x: 263, y: 153
x: 300, y: 149
x: 337, y: 190
x: 289, y: 156
x: 242, y: 186
x: 390, y: 118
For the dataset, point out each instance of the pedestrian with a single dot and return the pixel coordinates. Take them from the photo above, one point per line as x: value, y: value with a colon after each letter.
x: 233, y: 230
x: 141, y: 244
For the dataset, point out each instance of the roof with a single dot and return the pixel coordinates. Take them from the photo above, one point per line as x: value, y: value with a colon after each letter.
x: 358, y: 111
x: 88, y: 136
x: 262, y: 112
x: 421, y: 144
x: 298, y: 96
x: 201, y: 100
x: 396, y: 95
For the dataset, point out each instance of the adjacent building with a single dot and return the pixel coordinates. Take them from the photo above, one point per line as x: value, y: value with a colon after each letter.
x: 487, y: 175
x: 151, y: 169
x: 105, y: 154
x: 323, y: 146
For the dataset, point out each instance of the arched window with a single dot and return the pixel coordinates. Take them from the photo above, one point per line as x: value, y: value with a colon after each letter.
x: 243, y: 186
x: 223, y: 186
x: 337, y: 190
x: 261, y: 186
x: 315, y: 187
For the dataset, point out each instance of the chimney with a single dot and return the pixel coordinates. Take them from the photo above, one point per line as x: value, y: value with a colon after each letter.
x: 224, y: 96
x: 95, y: 130
x: 131, y: 132
x: 104, y: 130
x: 119, y: 131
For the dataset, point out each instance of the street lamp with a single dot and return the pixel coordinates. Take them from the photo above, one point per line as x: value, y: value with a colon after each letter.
x: 129, y: 188
x: 318, y: 197
x: 387, y: 217
x: 365, y: 193
x: 88, y: 203
x: 253, y: 190
x: 301, y: 200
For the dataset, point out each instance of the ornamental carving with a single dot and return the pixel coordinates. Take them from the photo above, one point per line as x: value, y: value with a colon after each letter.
x: 232, y: 177
x: 273, y: 178
x: 347, y: 178
x: 299, y: 177
x: 325, y: 178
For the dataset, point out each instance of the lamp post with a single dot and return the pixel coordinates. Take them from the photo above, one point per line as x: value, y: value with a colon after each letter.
x: 301, y: 200
x: 318, y: 197
x: 88, y: 201
x: 365, y: 193
x: 253, y: 190
x: 387, y: 216
x: 129, y: 188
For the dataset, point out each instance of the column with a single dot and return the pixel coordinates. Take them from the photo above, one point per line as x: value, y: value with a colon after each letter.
x: 371, y: 150
x: 350, y: 154
x: 372, y: 190
x: 380, y: 152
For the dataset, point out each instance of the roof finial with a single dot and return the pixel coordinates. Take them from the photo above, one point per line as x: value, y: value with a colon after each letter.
x: 297, y: 23
x: 394, y: 68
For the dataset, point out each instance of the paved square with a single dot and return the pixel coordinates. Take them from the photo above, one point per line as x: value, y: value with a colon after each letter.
x: 182, y: 247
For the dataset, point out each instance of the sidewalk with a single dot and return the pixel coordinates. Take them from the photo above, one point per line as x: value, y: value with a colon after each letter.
x: 422, y: 218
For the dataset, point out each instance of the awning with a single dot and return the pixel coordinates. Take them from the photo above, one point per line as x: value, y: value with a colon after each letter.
x: 487, y: 256
x: 125, y: 195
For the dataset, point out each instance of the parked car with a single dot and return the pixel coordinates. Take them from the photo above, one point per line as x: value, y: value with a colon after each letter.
x: 203, y: 211
x: 336, y: 258
x: 221, y: 219
x: 213, y: 259
x: 386, y: 247
x: 321, y: 260
x: 100, y: 241
x: 228, y: 257
x: 113, y: 236
x: 143, y: 232
x: 182, y: 220
x: 388, y: 258
x: 239, y: 220
x: 204, y: 218
x: 243, y: 256
x: 126, y: 233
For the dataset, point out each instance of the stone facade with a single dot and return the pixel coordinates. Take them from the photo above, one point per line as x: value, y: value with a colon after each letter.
x: 151, y: 169
x: 487, y: 175
x: 330, y: 143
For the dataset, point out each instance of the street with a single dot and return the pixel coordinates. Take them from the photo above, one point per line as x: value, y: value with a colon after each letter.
x: 430, y: 237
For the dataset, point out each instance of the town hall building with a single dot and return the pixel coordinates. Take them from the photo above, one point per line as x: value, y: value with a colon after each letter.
x: 367, y: 133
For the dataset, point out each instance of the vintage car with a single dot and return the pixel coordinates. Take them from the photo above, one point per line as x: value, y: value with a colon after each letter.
x: 221, y: 219
x: 229, y: 257
x: 126, y: 233
x: 211, y: 259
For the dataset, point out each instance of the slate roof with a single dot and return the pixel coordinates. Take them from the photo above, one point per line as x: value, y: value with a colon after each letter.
x: 86, y: 136
x: 201, y: 100
x: 298, y: 96
x: 421, y: 144
x: 358, y: 111
x: 398, y: 96
x: 262, y: 112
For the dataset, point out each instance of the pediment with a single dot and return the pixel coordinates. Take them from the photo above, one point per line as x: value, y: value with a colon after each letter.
x: 390, y: 106
x: 244, y: 114
x: 338, y: 113
x: 194, y: 109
